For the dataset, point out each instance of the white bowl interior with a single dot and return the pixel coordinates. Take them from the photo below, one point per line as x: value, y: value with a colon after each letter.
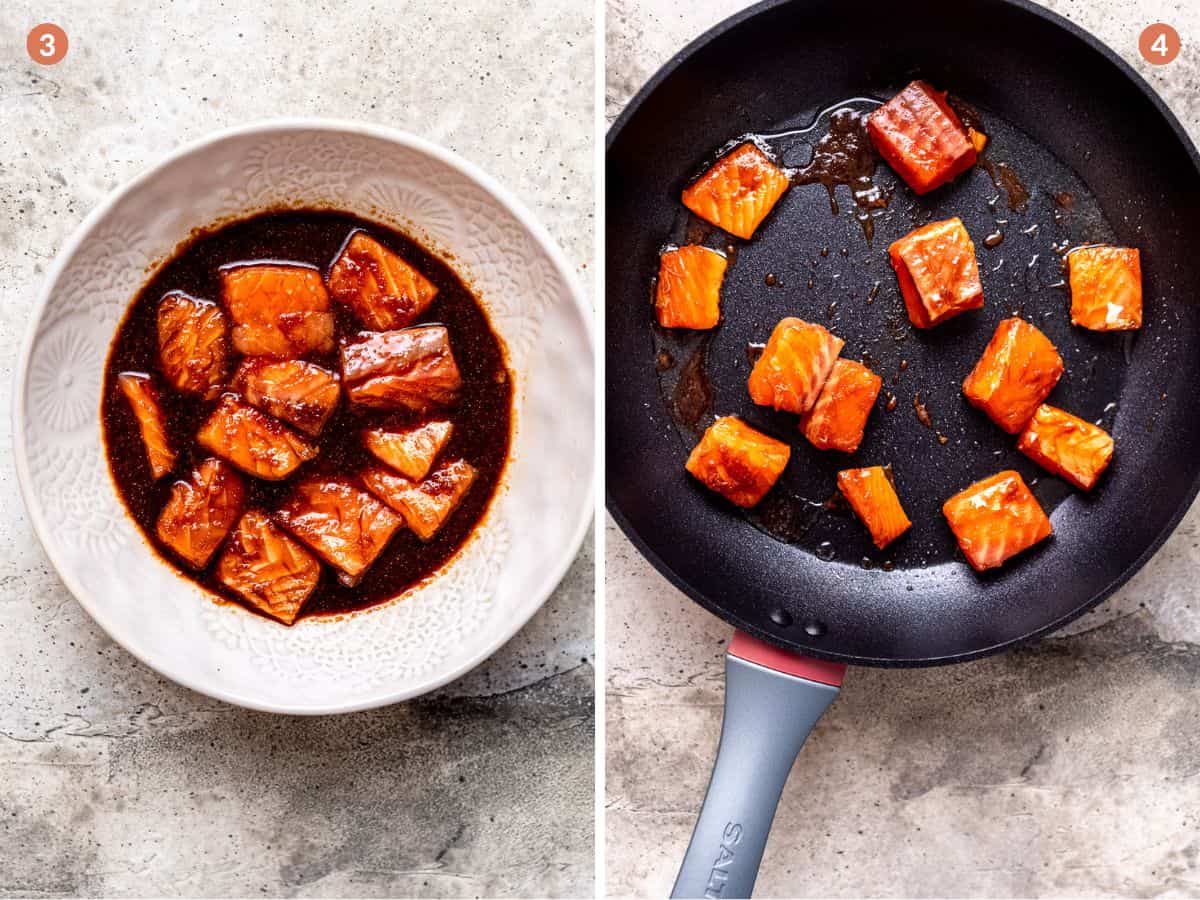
x: 390, y: 652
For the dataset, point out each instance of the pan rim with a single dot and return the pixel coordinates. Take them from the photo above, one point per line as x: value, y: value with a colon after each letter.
x: 1171, y: 523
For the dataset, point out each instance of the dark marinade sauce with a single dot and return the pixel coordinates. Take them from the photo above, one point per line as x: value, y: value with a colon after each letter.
x: 482, y: 418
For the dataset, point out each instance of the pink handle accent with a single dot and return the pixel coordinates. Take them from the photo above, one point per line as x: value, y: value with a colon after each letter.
x: 751, y: 649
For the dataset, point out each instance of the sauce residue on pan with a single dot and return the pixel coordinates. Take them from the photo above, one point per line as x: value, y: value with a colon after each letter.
x: 482, y: 418
x: 1006, y: 179
x: 692, y: 398
x: 844, y: 155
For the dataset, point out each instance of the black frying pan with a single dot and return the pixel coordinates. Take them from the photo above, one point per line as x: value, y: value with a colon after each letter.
x: 1102, y: 159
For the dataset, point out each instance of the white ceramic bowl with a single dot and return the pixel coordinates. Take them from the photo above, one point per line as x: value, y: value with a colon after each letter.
x: 428, y: 636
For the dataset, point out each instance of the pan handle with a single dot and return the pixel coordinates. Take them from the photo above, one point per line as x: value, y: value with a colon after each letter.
x: 772, y: 701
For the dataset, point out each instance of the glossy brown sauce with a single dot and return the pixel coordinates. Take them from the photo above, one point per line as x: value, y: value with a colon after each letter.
x: 482, y: 418
x: 845, y: 155
x: 692, y: 398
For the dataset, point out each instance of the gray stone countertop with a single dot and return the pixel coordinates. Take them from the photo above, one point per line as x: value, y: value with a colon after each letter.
x: 1067, y: 768
x: 114, y: 782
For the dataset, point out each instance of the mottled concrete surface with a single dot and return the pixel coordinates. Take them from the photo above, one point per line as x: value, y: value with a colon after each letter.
x: 1070, y: 768
x: 114, y: 782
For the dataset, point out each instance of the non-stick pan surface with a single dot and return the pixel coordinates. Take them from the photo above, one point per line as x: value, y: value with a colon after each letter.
x: 1102, y: 160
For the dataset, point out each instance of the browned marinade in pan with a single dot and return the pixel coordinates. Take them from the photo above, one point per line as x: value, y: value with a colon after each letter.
x: 306, y: 412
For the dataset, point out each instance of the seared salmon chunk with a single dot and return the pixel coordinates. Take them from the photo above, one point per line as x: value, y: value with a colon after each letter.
x: 922, y: 138
x: 872, y: 495
x: 1106, y: 288
x: 252, y: 441
x: 937, y: 271
x: 427, y: 504
x: 193, y: 344
x: 384, y: 291
x: 995, y: 519
x: 340, y: 522
x: 278, y: 310
x: 738, y: 462
x: 794, y: 365
x: 267, y: 568
x: 689, y: 287
x: 413, y: 368
x: 738, y: 192
x: 1067, y: 446
x: 300, y: 393
x: 143, y: 398
x: 1018, y: 370
x: 412, y: 449
x: 200, y: 512
x: 838, y: 419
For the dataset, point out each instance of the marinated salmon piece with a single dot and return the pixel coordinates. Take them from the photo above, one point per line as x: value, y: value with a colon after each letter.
x: 794, y: 366
x: 738, y: 462
x: 410, y: 450
x: 1067, y: 446
x: 426, y: 504
x: 995, y: 519
x: 200, y: 512
x: 278, y: 310
x: 193, y: 344
x: 267, y: 568
x: 738, y: 192
x: 143, y: 398
x: 1106, y: 288
x: 937, y: 271
x: 383, y: 290
x: 839, y: 417
x: 1018, y: 370
x: 977, y: 138
x: 413, y: 368
x: 689, y: 287
x: 252, y: 441
x: 872, y: 495
x: 300, y: 393
x: 340, y: 522
x: 922, y: 138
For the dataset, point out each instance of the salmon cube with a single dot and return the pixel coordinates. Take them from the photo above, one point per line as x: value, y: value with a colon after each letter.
x: 1067, y: 446
x: 839, y: 417
x: 193, y: 344
x: 412, y: 449
x: 1106, y: 288
x: 794, y: 366
x: 922, y: 138
x: 340, y: 522
x: 425, y: 504
x: 200, y: 512
x: 937, y: 271
x: 143, y: 398
x: 689, y: 287
x: 995, y: 519
x: 300, y: 393
x: 1018, y: 370
x: 382, y: 290
x: 252, y: 441
x: 738, y: 462
x: 738, y: 192
x: 872, y: 495
x: 278, y: 310
x: 413, y: 368
x: 267, y: 568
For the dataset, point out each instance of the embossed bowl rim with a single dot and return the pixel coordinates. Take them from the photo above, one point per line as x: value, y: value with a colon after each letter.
x: 555, y: 569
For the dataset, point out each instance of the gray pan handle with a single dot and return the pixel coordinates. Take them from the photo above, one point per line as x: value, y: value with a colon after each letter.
x: 768, y: 714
